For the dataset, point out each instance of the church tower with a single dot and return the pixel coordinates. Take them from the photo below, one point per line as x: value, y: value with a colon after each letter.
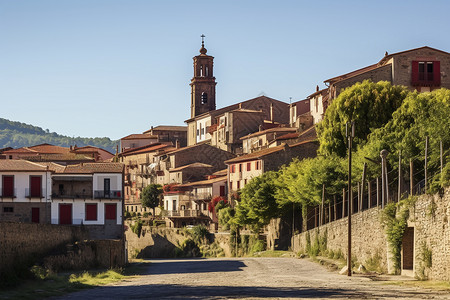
x: 203, y: 84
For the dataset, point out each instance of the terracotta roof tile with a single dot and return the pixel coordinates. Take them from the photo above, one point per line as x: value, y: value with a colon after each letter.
x: 89, y: 168
x: 194, y: 165
x: 256, y: 154
x: 148, y: 148
x: 138, y: 136
x: 49, y: 149
x: 168, y: 128
x: 21, y: 165
x: 204, y: 182
x: 59, y: 157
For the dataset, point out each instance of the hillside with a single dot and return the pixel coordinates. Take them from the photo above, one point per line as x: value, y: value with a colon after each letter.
x: 17, y: 134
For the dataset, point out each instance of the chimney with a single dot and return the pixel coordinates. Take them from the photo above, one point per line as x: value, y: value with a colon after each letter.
x: 117, y: 149
x: 151, y: 130
x: 271, y: 112
x: 177, y: 144
x: 240, y: 105
x: 317, y: 88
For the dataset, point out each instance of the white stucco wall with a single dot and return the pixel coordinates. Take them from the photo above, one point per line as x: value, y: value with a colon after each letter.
x: 115, y: 181
x: 22, y: 184
x: 79, y: 211
x: 202, y: 124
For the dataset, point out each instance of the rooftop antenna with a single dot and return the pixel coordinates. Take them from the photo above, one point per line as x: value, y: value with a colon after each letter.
x: 290, y: 100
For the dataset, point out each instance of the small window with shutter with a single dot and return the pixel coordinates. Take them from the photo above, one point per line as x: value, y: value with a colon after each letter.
x: 426, y: 73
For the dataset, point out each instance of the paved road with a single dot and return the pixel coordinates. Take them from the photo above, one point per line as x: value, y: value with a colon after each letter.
x: 249, y: 278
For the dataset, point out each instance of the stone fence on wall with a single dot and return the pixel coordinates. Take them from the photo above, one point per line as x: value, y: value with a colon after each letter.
x: 428, y: 231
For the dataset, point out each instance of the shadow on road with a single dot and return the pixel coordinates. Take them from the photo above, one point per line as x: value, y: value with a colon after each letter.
x: 193, y: 266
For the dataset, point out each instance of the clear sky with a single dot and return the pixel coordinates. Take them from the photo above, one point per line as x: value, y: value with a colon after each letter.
x: 111, y: 68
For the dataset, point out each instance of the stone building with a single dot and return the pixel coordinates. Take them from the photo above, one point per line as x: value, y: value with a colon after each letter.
x: 423, y: 69
x: 205, y: 123
x: 243, y: 168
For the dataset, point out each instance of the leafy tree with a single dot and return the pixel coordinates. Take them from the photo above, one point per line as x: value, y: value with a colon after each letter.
x: 151, y: 196
x: 370, y: 105
x: 258, y: 204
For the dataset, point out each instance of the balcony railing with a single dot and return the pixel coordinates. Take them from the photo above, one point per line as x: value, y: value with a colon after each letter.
x: 65, y: 195
x: 29, y: 193
x: 184, y: 213
x: 108, y: 195
x: 201, y: 196
x: 7, y: 193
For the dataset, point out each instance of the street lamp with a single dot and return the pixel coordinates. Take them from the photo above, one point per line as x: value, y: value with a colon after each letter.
x: 350, y: 134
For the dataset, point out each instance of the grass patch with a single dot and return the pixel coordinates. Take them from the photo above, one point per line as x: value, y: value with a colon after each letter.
x: 274, y: 253
x: 46, y: 284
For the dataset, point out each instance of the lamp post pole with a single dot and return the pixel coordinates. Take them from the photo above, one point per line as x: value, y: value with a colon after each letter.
x: 350, y: 133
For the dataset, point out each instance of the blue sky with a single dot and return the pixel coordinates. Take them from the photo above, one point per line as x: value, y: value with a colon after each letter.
x: 111, y: 68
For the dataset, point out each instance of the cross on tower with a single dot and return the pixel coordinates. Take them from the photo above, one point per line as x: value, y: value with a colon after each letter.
x: 203, y: 39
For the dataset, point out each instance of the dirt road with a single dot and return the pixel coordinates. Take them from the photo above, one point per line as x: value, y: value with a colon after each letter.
x: 249, y: 278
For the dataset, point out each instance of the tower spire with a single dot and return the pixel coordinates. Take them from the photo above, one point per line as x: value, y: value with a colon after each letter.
x: 203, y: 49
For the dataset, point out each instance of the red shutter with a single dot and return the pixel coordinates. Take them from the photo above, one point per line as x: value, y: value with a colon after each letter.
x: 437, y: 73
x: 91, y: 212
x: 415, y: 73
x: 222, y: 191
x: 249, y: 166
x: 35, y: 184
x: 8, y: 186
x: 110, y: 211
x: 65, y: 214
x: 35, y: 214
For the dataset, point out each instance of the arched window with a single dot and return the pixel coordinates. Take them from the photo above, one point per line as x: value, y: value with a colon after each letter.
x: 206, y: 71
x: 201, y: 71
x: 204, y: 98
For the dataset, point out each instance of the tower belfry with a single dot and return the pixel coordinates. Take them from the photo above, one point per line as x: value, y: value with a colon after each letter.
x: 203, y: 84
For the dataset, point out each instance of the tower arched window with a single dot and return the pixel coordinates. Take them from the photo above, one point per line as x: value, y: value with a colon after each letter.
x: 206, y: 71
x: 201, y: 71
x: 204, y: 98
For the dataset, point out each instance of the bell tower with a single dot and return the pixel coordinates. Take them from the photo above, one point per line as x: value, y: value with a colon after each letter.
x: 203, y: 84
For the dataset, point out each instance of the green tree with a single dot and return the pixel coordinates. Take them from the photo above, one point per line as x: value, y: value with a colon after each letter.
x: 151, y: 195
x: 258, y: 205
x: 370, y: 105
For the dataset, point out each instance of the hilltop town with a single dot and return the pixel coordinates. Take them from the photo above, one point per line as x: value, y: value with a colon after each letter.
x: 262, y: 168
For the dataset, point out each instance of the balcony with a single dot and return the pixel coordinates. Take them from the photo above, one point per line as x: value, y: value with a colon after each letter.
x: 201, y: 196
x: 29, y: 193
x: 7, y: 193
x: 184, y: 213
x: 101, y: 194
x: 71, y: 195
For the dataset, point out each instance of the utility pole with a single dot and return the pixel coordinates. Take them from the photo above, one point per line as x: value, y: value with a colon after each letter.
x: 350, y: 133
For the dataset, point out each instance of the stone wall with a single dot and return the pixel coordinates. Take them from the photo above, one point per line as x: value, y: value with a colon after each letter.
x: 431, y: 222
x: 428, y: 226
x: 21, y: 211
x: 368, y: 237
x: 21, y: 244
x: 86, y: 255
x: 160, y: 242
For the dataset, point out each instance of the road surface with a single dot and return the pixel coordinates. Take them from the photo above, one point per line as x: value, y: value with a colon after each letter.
x: 249, y: 278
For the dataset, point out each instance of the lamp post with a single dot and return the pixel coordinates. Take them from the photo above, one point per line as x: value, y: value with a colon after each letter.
x: 350, y: 134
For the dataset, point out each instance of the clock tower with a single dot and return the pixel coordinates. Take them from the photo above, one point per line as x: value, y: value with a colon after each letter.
x: 203, y: 84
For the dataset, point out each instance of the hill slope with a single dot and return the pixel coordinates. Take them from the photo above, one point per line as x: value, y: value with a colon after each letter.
x: 17, y: 134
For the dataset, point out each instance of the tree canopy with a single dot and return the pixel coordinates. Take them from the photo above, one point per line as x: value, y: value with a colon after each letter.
x: 370, y: 105
x: 151, y: 195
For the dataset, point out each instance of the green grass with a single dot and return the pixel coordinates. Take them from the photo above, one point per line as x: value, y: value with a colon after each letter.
x: 274, y: 253
x: 46, y: 284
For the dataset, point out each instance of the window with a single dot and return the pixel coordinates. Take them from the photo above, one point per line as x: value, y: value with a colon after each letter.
x: 426, y: 73
x: 198, y: 132
x: 8, y: 209
x: 206, y: 71
x: 36, y: 186
x: 245, y: 181
x: 204, y: 98
x: 238, y: 184
x: 231, y: 185
x: 110, y: 211
x: 249, y: 166
x: 257, y: 165
x: 203, y: 131
x: 91, y: 211
x: 222, y: 191
x: 240, y: 168
x: 232, y: 168
x: 107, y: 187
x: 8, y: 186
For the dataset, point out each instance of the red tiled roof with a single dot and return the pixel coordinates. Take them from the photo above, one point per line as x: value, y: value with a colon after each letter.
x: 167, y: 128
x: 274, y: 129
x: 310, y: 133
x: 58, y: 157
x: 204, y: 182
x: 49, y: 149
x: 220, y: 173
x: 20, y: 150
x: 21, y: 165
x: 256, y: 154
x: 351, y: 74
x: 89, y: 168
x: 194, y: 165
x: 387, y: 57
x: 148, y: 148
x: 139, y: 136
